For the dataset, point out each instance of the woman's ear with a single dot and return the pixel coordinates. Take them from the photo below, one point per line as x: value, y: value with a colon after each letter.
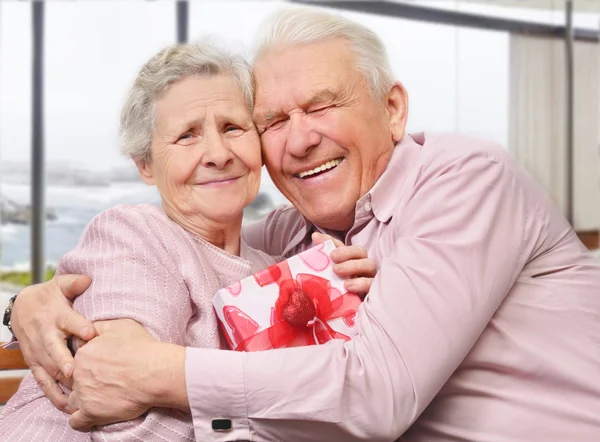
x: 144, y: 167
x: 397, y: 107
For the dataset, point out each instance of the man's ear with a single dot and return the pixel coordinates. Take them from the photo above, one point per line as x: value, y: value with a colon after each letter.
x: 144, y: 167
x: 397, y: 107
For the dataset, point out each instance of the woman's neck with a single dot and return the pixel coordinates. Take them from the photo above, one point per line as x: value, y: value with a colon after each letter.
x: 225, y: 236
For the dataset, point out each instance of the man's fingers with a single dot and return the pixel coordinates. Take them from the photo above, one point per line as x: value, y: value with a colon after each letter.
x: 319, y: 238
x: 72, y: 323
x: 67, y: 382
x: 358, y: 285
x: 80, y: 421
x: 47, y: 364
x: 347, y: 253
x: 73, y: 404
x: 72, y: 285
x: 356, y: 268
x: 78, y: 343
x: 60, y: 356
x: 50, y: 387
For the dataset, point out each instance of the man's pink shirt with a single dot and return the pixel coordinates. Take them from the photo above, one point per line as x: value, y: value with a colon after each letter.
x: 483, y: 323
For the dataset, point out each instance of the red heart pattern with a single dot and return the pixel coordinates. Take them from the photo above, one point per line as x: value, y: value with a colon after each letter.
x: 267, y: 276
x: 350, y: 318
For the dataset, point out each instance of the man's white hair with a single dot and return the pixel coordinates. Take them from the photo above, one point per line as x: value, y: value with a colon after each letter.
x: 171, y: 65
x: 299, y: 26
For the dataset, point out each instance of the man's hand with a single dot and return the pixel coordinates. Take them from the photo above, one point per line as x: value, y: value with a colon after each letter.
x: 122, y: 373
x: 352, y: 263
x: 42, y: 319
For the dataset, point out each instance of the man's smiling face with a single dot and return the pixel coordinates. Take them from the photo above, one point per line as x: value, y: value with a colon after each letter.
x: 325, y: 138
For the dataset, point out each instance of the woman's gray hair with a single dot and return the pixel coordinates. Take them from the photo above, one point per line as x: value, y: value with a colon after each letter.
x: 299, y: 26
x: 171, y: 65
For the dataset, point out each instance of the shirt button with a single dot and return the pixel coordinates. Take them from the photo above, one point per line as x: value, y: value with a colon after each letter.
x: 367, y: 206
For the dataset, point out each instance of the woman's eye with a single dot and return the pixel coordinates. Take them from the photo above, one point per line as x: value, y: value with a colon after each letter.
x: 185, y: 136
x: 231, y: 128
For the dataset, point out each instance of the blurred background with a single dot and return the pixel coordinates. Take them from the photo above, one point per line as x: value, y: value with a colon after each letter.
x: 524, y: 74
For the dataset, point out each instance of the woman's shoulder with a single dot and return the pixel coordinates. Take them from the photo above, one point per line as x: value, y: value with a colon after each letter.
x: 130, y: 221
x: 124, y: 211
x: 136, y: 230
x: 135, y: 216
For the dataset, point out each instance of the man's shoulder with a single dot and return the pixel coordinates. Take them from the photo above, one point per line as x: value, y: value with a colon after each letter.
x: 282, y: 217
x: 287, y: 215
x: 443, y: 148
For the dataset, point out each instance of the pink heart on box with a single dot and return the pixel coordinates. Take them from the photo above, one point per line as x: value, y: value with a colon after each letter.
x: 334, y: 293
x: 235, y: 288
x: 242, y: 325
x: 315, y: 258
x: 350, y: 318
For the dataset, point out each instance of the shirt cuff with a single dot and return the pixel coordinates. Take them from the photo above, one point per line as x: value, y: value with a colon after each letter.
x: 13, y: 344
x: 215, y: 387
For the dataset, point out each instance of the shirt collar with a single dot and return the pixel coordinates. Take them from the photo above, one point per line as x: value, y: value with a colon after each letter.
x: 385, y: 194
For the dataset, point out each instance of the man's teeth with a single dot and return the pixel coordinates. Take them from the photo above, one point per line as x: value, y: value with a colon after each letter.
x: 328, y: 165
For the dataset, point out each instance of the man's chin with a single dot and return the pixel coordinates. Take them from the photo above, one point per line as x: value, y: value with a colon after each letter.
x: 330, y: 218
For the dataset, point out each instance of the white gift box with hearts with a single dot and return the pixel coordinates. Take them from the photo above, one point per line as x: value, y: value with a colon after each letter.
x: 247, y: 307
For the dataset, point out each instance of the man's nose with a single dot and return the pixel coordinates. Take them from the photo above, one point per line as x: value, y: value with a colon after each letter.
x: 302, y: 138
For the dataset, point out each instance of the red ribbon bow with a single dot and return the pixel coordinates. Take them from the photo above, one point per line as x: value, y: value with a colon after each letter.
x: 301, y: 311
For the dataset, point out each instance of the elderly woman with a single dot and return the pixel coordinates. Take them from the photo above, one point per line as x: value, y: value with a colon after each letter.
x: 187, y: 125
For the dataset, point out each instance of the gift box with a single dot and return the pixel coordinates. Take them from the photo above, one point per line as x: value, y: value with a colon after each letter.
x: 297, y: 302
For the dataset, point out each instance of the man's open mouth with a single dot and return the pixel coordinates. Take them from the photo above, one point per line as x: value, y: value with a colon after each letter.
x: 319, y: 170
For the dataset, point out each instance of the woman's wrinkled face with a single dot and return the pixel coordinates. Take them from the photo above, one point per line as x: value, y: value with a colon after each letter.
x: 206, y: 160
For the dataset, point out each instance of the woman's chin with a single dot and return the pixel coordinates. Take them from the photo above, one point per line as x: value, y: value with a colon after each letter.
x: 226, y: 217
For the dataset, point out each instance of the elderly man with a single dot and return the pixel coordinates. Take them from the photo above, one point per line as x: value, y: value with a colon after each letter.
x: 483, y: 322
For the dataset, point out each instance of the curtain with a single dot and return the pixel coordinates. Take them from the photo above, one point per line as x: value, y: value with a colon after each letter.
x: 537, y: 111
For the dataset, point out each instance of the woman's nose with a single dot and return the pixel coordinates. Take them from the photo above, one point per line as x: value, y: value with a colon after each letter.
x: 217, y: 154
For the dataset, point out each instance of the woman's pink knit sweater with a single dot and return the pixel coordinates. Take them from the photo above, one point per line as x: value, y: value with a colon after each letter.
x: 145, y: 267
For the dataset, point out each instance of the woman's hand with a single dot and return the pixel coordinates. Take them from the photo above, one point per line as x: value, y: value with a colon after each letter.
x: 351, y: 263
x: 42, y: 319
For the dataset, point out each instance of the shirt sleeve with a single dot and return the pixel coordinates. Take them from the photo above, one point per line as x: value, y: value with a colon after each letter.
x: 124, y: 251
x: 456, y: 249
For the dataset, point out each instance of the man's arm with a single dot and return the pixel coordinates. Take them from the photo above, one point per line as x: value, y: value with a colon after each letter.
x: 42, y: 319
x: 458, y: 248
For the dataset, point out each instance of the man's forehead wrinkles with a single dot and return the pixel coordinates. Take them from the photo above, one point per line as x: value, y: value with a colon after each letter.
x: 321, y: 95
